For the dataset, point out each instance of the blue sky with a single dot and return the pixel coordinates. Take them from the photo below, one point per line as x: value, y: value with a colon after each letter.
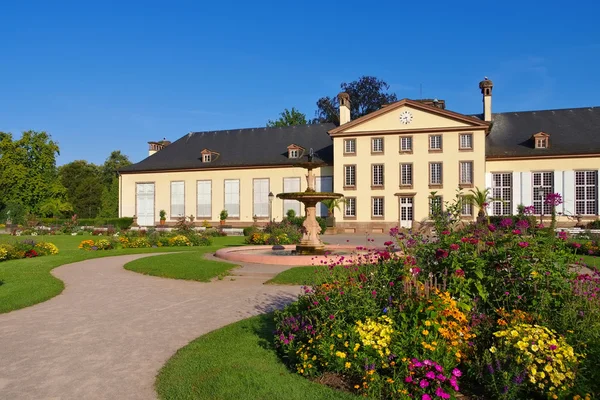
x: 101, y: 76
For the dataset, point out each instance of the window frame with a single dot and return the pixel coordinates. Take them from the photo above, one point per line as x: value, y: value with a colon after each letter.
x: 172, y: 216
x: 377, y: 185
x: 430, y: 203
x: 349, y: 153
x: 406, y: 185
x: 461, y: 182
x: 460, y: 143
x: 373, y: 199
x: 435, y: 149
x: 546, y: 209
x: 198, y: 215
x: 346, y: 186
x: 441, y: 182
x: 347, y: 202
x: 377, y: 152
x: 206, y: 157
x: 586, y: 201
x: 406, y: 151
x: 293, y: 153
x: 254, y: 214
x: 501, y: 189
x: 239, y: 198
x: 466, y: 202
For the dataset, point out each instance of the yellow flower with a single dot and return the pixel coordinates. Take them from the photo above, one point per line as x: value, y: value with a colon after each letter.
x: 347, y: 365
x: 492, y: 349
x: 514, y: 333
x: 425, y: 332
x: 427, y: 323
x: 340, y: 354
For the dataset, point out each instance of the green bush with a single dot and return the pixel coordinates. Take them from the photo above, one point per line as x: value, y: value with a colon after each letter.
x: 593, y: 224
x: 118, y: 223
x: 249, y: 230
x: 298, y: 221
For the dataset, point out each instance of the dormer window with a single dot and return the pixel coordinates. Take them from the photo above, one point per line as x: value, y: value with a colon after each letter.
x: 207, y: 155
x: 541, y: 140
x: 295, y: 151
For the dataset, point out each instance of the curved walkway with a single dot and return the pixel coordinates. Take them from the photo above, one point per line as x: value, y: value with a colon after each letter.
x: 111, y: 330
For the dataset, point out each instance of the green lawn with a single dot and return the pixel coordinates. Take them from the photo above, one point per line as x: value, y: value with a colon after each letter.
x: 301, y: 276
x: 592, y: 261
x: 190, y: 266
x: 27, y: 282
x: 236, y: 362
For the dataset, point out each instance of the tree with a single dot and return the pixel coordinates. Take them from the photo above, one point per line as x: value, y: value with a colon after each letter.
x: 111, y: 166
x: 110, y: 200
x: 367, y: 94
x: 28, y: 175
x: 288, y: 118
x: 481, y: 199
x: 83, y: 182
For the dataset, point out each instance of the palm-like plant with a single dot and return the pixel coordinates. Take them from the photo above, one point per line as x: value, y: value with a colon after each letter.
x: 481, y: 199
x: 332, y: 204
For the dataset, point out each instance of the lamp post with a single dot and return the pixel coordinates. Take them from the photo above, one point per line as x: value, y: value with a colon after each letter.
x: 271, y: 197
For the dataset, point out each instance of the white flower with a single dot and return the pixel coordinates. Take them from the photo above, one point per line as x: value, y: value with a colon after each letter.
x: 74, y: 234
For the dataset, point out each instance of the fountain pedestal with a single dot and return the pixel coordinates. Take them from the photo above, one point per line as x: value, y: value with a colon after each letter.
x: 311, y: 241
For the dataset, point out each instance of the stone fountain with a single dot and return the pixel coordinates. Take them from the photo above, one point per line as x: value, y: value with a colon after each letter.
x: 311, y: 243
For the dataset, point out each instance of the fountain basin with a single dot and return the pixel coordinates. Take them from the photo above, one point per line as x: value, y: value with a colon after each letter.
x: 287, y: 256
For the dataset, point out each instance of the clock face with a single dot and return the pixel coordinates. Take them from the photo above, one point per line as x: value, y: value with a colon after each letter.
x: 406, y: 117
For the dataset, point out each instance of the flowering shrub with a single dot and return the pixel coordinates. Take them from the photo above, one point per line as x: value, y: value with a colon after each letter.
x: 179, y: 240
x: 46, y: 248
x: 87, y: 245
x: 547, y: 360
x: 498, y: 303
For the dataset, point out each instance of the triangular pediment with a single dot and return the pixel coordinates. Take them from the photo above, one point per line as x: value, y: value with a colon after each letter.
x: 406, y: 116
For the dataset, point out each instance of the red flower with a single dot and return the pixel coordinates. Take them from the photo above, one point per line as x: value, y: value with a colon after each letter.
x: 441, y: 253
x: 576, y: 245
x: 523, y: 244
x: 459, y: 272
x: 464, y: 240
x: 454, y: 246
x: 473, y: 241
x: 388, y: 243
x: 490, y: 243
x: 516, y: 231
x: 445, y: 232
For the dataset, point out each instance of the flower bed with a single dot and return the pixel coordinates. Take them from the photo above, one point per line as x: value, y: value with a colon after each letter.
x: 493, y: 311
x: 26, y: 249
x: 144, y: 239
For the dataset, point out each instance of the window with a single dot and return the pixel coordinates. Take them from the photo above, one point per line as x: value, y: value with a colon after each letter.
x: 466, y: 141
x: 350, y: 146
x: 261, y: 197
x: 350, y: 175
x: 232, y: 197
x: 377, y: 145
x: 377, y: 174
x: 406, y: 175
x: 435, y: 142
x: 466, y: 172
x: 350, y: 207
x: 466, y: 206
x: 541, y: 143
x: 435, y: 205
x: 406, y: 143
x: 291, y: 185
x: 294, y: 153
x: 435, y: 173
x: 586, y: 192
x: 206, y: 157
x: 204, y: 189
x: 177, y: 199
x: 377, y: 207
x: 543, y: 185
x: 502, y: 193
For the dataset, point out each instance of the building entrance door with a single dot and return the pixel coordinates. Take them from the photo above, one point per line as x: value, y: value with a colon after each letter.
x: 406, y: 212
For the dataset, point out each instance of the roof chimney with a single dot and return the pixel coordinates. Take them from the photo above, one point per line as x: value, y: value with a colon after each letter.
x: 344, y: 100
x: 486, y: 90
x: 157, y: 146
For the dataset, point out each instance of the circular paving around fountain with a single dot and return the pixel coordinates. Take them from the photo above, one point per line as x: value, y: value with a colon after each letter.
x: 285, y: 256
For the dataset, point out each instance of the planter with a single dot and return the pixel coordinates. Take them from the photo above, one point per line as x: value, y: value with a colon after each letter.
x: 222, y: 222
x: 330, y: 221
x: 162, y: 222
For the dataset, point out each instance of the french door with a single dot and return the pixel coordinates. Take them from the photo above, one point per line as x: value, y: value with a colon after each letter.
x: 406, y: 212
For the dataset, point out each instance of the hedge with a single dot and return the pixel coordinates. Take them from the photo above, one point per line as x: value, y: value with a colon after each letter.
x: 120, y: 223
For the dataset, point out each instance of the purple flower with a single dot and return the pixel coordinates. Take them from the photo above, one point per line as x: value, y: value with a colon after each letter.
x: 430, y: 375
x: 529, y: 210
x: 492, y: 228
x: 424, y: 383
x: 554, y: 199
x: 523, y: 224
x: 439, y: 368
x: 456, y: 372
x: 425, y: 397
x: 506, y: 222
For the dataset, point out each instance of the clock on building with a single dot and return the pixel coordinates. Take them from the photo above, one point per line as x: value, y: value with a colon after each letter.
x: 406, y: 117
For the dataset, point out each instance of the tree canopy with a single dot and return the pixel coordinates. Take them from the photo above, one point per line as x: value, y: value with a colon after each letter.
x: 367, y: 94
x: 288, y: 118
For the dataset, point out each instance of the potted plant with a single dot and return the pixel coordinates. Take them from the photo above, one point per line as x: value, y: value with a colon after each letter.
x: 163, y: 216
x: 331, y: 205
x: 223, y: 216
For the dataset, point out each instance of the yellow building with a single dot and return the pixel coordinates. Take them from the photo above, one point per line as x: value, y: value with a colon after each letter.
x: 386, y: 164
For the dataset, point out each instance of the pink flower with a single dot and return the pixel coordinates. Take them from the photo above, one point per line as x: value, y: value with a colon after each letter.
x: 492, y: 228
x: 445, y: 232
x: 576, y: 245
x: 456, y: 372
x: 415, y: 270
x: 441, y: 253
x: 473, y: 241
x: 464, y: 240
x: 460, y: 273
x: 388, y: 243
x: 331, y: 316
x: 523, y: 244
x: 423, y: 383
x: 430, y: 375
x: 454, y: 247
x: 516, y: 231
x: 425, y: 397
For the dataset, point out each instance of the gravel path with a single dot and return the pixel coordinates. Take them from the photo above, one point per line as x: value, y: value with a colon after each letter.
x: 111, y: 330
